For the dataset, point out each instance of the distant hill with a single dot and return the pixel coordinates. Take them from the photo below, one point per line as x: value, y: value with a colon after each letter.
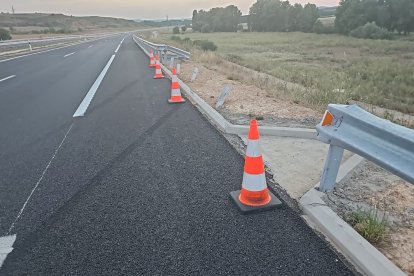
x: 165, y: 23
x: 61, y: 21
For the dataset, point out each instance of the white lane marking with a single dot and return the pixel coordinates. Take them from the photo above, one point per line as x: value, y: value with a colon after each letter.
x: 117, y: 48
x: 90, y: 46
x: 9, y: 77
x: 39, y: 181
x: 69, y: 54
x: 6, y: 246
x: 80, y: 112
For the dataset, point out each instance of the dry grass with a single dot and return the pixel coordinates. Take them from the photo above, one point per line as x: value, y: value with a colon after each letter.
x: 317, y: 69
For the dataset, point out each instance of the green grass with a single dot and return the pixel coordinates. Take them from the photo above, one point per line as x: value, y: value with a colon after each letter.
x: 370, y: 224
x: 331, y: 68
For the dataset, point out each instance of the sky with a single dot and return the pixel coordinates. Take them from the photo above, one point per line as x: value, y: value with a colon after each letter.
x: 133, y: 9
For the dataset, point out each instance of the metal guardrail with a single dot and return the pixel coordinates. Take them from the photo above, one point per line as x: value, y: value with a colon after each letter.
x: 350, y: 127
x: 23, y: 42
x: 35, y: 40
x: 162, y: 49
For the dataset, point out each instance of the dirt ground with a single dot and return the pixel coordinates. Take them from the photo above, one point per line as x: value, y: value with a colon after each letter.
x: 246, y: 101
x: 371, y: 187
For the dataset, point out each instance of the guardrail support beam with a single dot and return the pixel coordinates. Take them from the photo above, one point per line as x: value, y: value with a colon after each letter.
x: 330, y: 171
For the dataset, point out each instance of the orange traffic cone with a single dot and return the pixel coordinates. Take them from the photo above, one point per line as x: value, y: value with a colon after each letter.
x: 175, y: 89
x: 158, y: 71
x: 254, y: 195
x: 152, y: 59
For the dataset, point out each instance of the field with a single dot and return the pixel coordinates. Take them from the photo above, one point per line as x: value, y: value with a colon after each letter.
x: 323, y: 68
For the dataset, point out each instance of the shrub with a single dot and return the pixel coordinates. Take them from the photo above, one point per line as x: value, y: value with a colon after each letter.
x: 176, y: 30
x: 206, y: 45
x: 319, y: 28
x: 372, y: 31
x: 176, y: 38
x: 184, y: 28
x: 4, y: 34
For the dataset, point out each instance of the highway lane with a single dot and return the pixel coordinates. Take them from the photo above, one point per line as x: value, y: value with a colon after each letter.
x: 36, y: 109
x: 140, y: 187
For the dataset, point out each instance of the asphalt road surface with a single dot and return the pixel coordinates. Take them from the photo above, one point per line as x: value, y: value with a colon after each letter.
x: 137, y: 186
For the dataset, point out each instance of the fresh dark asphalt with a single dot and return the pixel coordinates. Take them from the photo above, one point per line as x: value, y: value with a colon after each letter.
x: 139, y: 187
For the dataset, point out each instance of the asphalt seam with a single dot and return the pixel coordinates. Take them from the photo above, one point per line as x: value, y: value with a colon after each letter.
x: 39, y: 180
x: 96, y: 179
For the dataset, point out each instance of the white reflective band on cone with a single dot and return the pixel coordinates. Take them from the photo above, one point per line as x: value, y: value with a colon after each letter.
x: 253, y: 149
x: 175, y: 92
x: 254, y: 182
x: 174, y: 78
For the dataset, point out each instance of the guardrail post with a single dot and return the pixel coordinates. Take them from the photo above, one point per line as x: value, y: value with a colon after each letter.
x: 172, y: 62
x: 330, y: 171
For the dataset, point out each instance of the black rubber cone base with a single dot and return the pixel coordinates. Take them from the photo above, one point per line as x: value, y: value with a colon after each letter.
x: 245, y: 210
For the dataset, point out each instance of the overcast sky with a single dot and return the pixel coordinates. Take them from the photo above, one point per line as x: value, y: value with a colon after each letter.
x: 133, y: 9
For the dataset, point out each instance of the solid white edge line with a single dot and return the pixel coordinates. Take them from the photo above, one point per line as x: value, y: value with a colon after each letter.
x: 12, y: 76
x: 69, y: 54
x: 6, y: 247
x: 80, y: 112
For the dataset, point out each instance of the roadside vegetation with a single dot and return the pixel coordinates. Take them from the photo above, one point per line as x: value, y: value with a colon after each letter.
x: 4, y: 34
x: 370, y: 224
x: 359, y: 18
x: 324, y: 68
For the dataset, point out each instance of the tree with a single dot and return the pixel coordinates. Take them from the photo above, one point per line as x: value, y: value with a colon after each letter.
x: 281, y: 16
x: 194, y: 22
x: 217, y: 19
x: 4, y: 34
x: 269, y: 16
x: 402, y: 15
x: 349, y: 15
x: 295, y: 14
x: 309, y: 17
x: 176, y: 30
x: 231, y: 18
x: 184, y: 28
x: 394, y: 15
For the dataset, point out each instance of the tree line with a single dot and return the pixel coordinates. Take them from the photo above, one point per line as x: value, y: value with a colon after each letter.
x: 281, y: 16
x: 361, y: 18
x: 392, y: 15
x: 217, y: 20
